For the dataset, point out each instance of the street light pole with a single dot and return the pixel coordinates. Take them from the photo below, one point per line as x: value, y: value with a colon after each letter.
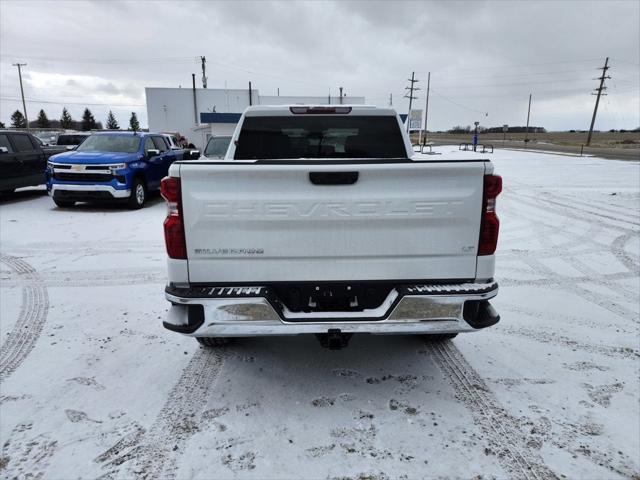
x: 426, y: 110
x: 24, y: 105
x: 526, y: 135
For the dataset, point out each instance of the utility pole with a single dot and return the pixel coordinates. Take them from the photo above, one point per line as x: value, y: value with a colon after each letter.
x: 340, y: 95
x: 24, y: 105
x: 195, y: 103
x: 250, y: 95
x: 391, y: 99
x: 204, y: 72
x: 278, y: 91
x: 599, y: 90
x: 526, y: 135
x: 475, y: 135
x: 426, y: 109
x: 411, y: 98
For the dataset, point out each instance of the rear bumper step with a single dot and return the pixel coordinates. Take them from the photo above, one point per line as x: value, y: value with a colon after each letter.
x: 238, y: 311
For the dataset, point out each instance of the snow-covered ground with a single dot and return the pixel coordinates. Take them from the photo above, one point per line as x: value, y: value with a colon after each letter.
x: 93, y: 386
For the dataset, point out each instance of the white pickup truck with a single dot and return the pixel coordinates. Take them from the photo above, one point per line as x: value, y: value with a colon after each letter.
x: 319, y: 220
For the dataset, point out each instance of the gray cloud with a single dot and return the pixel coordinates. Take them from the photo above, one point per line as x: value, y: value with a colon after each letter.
x: 484, y: 56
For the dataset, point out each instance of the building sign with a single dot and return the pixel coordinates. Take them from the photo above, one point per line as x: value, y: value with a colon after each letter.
x: 415, y: 120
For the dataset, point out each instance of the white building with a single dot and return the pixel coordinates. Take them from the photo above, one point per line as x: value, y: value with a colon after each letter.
x: 203, y: 112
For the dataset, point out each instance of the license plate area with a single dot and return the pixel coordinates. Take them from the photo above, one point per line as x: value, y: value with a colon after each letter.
x: 332, y: 297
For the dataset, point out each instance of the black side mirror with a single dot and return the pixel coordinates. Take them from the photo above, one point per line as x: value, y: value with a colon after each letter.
x: 4, y: 150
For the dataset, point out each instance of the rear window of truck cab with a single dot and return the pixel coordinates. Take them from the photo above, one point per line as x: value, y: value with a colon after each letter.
x: 320, y: 136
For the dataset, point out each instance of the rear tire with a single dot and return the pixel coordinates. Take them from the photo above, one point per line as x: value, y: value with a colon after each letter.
x: 213, y: 342
x: 138, y: 195
x: 64, y: 203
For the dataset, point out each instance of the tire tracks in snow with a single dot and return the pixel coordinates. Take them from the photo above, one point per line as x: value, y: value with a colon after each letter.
x: 617, y: 248
x: 602, y: 300
x: 618, y: 214
x: 33, y: 314
x: 545, y: 337
x: 569, y: 211
x: 602, y: 212
x: 98, y: 278
x: 158, y: 449
x: 594, y: 277
x: 502, y: 431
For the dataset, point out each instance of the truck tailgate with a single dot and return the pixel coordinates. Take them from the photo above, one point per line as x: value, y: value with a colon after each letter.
x: 255, y: 223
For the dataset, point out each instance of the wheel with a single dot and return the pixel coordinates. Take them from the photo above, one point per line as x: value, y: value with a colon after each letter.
x: 64, y: 203
x: 138, y: 195
x: 213, y: 342
x: 441, y: 337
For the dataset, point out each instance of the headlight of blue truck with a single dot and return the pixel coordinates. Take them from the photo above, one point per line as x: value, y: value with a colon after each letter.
x: 117, y: 166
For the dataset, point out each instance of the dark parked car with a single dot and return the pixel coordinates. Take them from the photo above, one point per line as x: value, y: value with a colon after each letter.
x: 50, y: 149
x: 72, y: 140
x: 22, y: 161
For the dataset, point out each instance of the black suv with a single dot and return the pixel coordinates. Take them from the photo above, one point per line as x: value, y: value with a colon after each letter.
x: 22, y: 161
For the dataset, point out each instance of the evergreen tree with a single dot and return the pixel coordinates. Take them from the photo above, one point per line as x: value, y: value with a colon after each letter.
x: 66, y: 121
x: 133, y: 122
x: 2, y: 125
x: 17, y: 120
x: 43, y: 120
x: 88, y: 121
x: 112, y: 123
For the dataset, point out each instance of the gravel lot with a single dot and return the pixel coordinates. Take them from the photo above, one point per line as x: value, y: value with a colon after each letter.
x: 91, y: 385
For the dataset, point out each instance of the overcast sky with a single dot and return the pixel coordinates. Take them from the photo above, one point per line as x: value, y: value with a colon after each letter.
x: 484, y: 57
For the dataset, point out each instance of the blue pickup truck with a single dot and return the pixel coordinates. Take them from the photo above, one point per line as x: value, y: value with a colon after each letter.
x: 111, y: 167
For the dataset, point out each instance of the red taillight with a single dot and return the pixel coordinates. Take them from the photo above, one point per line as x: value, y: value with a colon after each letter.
x: 173, y: 228
x: 489, y: 225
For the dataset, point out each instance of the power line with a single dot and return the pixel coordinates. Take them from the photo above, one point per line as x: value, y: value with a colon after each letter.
x: 33, y: 100
x: 165, y: 60
x: 458, y: 104
x: 486, y: 66
x: 492, y: 85
x: 625, y: 61
x: 107, y: 61
x: 515, y: 75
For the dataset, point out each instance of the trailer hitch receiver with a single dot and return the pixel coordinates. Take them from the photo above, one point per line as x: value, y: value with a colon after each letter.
x: 334, y: 339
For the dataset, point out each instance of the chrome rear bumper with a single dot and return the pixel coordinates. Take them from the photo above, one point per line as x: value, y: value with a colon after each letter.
x: 248, y: 311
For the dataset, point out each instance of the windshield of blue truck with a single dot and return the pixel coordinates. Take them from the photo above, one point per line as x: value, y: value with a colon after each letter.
x: 321, y: 136
x: 110, y: 143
